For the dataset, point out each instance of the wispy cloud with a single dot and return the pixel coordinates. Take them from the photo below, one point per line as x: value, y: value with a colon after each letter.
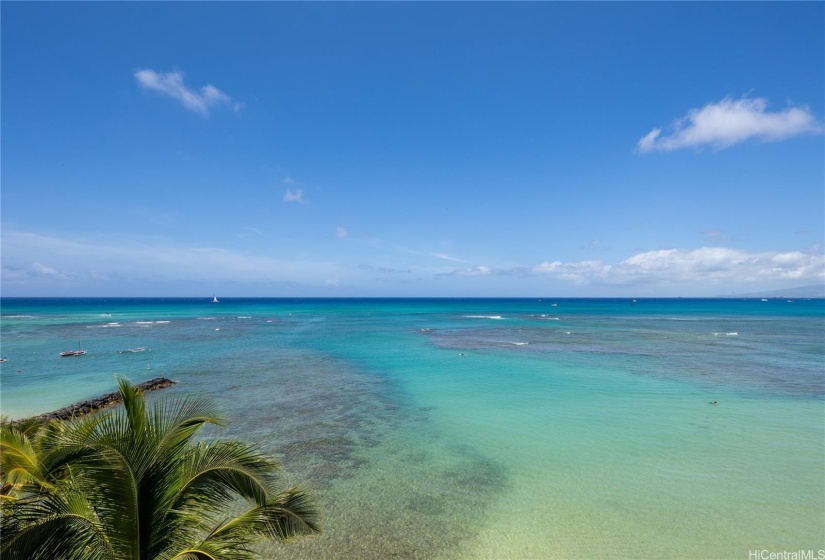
x: 34, y: 263
x: 729, y: 122
x: 34, y: 273
x: 446, y: 257
x: 595, y: 245
x: 578, y: 272
x: 83, y: 262
x: 297, y: 196
x: 44, y: 270
x: 477, y: 271
x: 716, y: 235
x: 171, y: 84
x: 340, y: 232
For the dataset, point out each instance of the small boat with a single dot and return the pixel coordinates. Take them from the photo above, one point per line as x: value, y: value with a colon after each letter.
x: 130, y: 350
x: 2, y: 360
x: 215, y: 299
x: 68, y: 353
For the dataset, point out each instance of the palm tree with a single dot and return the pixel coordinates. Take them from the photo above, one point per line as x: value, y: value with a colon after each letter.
x: 132, y: 484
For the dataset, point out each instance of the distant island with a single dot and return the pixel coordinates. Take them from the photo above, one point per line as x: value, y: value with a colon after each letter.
x: 810, y: 291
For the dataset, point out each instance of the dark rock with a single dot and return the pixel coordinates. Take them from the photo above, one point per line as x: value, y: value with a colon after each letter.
x: 92, y: 405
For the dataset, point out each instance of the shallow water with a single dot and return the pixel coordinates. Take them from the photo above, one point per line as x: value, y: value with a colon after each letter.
x: 484, y: 428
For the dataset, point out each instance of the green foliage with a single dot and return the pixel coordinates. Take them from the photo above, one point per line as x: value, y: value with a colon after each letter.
x: 132, y: 484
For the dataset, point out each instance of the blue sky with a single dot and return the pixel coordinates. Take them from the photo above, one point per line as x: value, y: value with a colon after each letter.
x: 412, y: 149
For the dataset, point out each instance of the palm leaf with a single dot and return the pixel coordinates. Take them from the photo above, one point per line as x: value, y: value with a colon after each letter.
x: 131, y: 483
x: 62, y: 524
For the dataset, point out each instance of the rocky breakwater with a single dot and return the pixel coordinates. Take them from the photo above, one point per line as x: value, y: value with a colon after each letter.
x: 110, y: 399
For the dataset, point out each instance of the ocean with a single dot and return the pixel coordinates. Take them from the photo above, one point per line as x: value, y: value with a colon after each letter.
x: 482, y: 428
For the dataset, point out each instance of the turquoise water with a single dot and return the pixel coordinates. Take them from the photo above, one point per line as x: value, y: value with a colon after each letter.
x: 484, y: 428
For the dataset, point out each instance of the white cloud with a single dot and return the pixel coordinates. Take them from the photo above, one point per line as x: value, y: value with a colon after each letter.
x: 705, y: 266
x: 288, y: 181
x: 171, y: 84
x: 297, y: 196
x: 340, y: 232
x: 730, y: 122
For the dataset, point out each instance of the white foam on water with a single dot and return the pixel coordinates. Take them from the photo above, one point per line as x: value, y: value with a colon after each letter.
x: 726, y: 334
x: 483, y: 317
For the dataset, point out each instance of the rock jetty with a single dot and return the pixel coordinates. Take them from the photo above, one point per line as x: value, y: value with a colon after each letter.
x: 111, y: 399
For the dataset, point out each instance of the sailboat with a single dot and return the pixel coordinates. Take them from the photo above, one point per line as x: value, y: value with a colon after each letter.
x: 215, y: 299
x: 69, y: 353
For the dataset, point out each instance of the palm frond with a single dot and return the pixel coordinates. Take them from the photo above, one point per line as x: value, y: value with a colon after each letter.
x: 130, y: 483
x: 62, y: 524
x: 194, y: 555
x: 176, y: 421
x: 288, y: 515
x: 19, y: 461
x: 213, y: 472
x: 291, y: 514
x: 134, y: 403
